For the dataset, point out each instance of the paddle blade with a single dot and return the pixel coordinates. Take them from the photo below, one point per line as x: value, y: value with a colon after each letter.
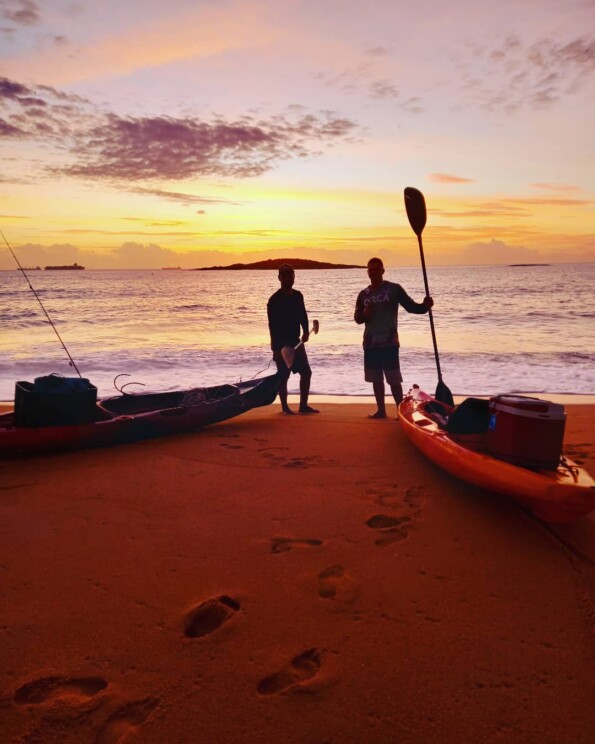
x: 288, y: 354
x: 415, y: 205
x: 443, y: 394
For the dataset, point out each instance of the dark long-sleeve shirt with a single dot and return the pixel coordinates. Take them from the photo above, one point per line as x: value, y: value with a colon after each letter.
x: 286, y: 313
x: 381, y: 328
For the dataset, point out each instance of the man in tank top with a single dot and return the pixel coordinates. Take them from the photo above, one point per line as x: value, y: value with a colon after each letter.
x: 377, y: 307
x: 287, y: 314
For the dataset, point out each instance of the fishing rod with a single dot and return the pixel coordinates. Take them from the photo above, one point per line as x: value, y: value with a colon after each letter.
x: 71, y: 362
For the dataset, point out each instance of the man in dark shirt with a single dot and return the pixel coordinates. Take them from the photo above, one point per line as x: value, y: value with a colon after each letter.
x: 287, y: 313
x: 377, y: 306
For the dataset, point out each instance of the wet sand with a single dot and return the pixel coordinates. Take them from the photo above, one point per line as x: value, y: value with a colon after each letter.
x: 311, y: 580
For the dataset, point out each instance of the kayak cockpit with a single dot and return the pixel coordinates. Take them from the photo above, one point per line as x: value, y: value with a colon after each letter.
x: 471, y: 416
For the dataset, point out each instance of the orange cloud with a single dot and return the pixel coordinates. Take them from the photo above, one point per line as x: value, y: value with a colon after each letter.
x: 555, y: 186
x: 448, y: 178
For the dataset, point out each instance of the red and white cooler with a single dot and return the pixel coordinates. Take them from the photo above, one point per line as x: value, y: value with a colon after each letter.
x: 526, y: 431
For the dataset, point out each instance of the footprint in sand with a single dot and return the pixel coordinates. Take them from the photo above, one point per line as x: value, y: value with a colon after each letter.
x: 79, y: 689
x: 283, y: 544
x: 393, y: 529
x: 231, y: 446
x: 389, y: 496
x: 415, y: 498
x: 300, y: 669
x: 209, y: 615
x: 334, y: 583
x: 386, y: 497
x: 125, y: 720
x: 300, y: 462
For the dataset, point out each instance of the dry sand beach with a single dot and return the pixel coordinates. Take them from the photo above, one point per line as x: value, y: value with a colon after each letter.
x: 311, y: 580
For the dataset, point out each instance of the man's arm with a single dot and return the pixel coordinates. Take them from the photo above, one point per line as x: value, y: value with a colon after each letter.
x: 358, y: 315
x: 304, y: 320
x: 419, y: 308
x: 271, y: 319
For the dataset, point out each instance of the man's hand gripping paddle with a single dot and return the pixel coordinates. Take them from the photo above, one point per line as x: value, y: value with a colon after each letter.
x: 416, y: 212
x: 288, y: 352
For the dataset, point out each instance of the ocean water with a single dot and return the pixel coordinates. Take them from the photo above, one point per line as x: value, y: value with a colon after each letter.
x: 499, y: 328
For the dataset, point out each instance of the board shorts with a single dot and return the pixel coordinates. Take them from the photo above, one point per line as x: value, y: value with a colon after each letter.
x: 383, y: 360
x: 300, y: 365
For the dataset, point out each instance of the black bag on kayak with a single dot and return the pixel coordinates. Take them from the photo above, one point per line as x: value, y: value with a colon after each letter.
x: 54, y: 401
x: 472, y: 416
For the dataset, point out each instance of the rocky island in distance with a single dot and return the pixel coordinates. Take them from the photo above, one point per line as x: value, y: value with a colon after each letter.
x: 274, y: 263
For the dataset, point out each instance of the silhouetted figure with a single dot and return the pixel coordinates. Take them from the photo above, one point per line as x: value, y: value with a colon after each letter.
x: 377, y: 306
x: 287, y: 314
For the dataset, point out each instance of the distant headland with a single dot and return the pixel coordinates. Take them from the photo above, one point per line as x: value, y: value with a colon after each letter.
x: 69, y: 267
x: 530, y: 264
x: 274, y: 263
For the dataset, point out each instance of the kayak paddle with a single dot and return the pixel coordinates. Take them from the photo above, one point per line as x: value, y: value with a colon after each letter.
x: 416, y: 212
x: 288, y: 352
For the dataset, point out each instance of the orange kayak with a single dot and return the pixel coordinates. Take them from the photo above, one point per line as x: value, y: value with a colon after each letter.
x: 560, y: 495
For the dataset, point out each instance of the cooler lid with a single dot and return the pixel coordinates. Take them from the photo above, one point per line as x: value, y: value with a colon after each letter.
x: 521, y: 405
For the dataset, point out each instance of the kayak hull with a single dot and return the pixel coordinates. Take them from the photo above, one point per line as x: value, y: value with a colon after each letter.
x: 132, y: 418
x: 558, y: 496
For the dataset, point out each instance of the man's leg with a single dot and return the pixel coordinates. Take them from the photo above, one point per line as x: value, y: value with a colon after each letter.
x: 283, y: 378
x: 283, y: 396
x: 393, y: 375
x: 302, y: 366
x: 373, y: 374
x: 397, y: 391
x: 378, y: 386
x: 305, y: 378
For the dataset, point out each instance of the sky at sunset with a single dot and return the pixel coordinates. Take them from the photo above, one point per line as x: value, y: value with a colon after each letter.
x: 190, y: 133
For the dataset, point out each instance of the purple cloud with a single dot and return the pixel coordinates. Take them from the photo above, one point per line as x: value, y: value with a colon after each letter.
x: 515, y: 76
x: 378, y: 51
x: 360, y: 78
x: 185, y: 199
x: 134, y: 149
x: 383, y: 89
x: 9, y: 130
x: 40, y: 112
x: 25, y: 12
x: 10, y: 89
x: 121, y: 149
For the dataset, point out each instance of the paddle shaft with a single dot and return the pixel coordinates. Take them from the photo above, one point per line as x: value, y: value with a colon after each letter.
x: 423, y: 268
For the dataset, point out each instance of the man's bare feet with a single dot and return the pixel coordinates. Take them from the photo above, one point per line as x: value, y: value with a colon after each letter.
x: 288, y: 412
x: 308, y: 409
x: 377, y: 415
